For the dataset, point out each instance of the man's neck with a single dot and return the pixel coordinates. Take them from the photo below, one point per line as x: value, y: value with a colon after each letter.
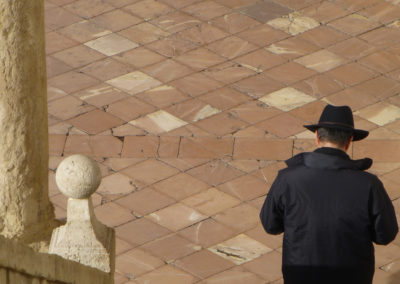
x: 331, y: 145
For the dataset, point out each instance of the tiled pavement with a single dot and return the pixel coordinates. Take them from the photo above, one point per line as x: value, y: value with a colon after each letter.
x: 190, y: 107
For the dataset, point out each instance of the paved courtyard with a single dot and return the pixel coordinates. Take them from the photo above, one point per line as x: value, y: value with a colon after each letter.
x: 191, y: 106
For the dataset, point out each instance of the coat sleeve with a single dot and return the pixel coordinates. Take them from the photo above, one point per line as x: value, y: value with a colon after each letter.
x: 272, y: 212
x: 384, y: 222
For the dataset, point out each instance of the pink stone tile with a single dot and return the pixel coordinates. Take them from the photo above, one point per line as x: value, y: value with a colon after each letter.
x: 351, y: 97
x: 260, y: 60
x: 175, y: 22
x: 116, y: 20
x: 112, y: 214
x: 236, y: 275
x: 144, y: 33
x: 231, y: 47
x: 289, y: 73
x: 325, y: 12
x: 254, y: 111
x: 72, y: 81
x: 230, y: 72
x: 205, y: 147
x: 129, y: 108
x: 97, y: 146
x: 262, y: 35
x: 67, y: 107
x: 206, y: 10
x: 83, y: 31
x: 141, y: 146
x: 199, y: 59
x: 136, y: 262
x: 179, y: 3
x: 78, y: 56
x: 189, y: 110
x: 269, y: 273
x: 59, y: 17
x: 319, y: 86
x: 167, y: 70
x: 56, y: 144
x: 224, y: 98
x: 56, y: 42
x: 254, y: 148
x: 282, y: 125
x: 88, y: 8
x: 162, y: 96
x: 245, y: 188
x: 139, y: 57
x: 248, y: 215
x: 100, y: 95
x: 172, y: 46
x: 196, y: 84
x: 354, y: 24
x: 106, y: 69
x: 55, y: 67
x: 167, y: 274
x: 115, y: 185
x: 351, y: 74
x: 258, y: 85
x: 234, y: 23
x: 148, y: 9
x: 221, y: 124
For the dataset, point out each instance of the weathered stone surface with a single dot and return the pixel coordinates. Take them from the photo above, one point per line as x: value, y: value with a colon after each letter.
x: 25, y: 210
x: 83, y: 238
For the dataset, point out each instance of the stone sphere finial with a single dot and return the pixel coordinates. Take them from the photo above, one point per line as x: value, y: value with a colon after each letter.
x: 78, y: 176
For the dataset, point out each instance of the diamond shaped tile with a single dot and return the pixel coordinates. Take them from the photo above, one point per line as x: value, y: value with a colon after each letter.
x: 380, y: 113
x: 148, y: 9
x: 158, y: 122
x: 294, y: 23
x: 321, y: 61
x: 287, y: 99
x: 111, y: 44
x: 135, y: 82
x: 265, y: 11
x: 240, y: 249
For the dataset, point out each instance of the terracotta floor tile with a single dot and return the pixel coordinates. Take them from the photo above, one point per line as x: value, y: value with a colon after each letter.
x: 158, y: 122
x: 203, y: 264
x: 196, y: 84
x: 162, y: 96
x: 351, y: 74
x: 141, y: 146
x: 382, y: 37
x: 167, y: 70
x: 319, y: 86
x: 204, y: 33
x: 84, y: 31
x: 351, y: 97
x: 207, y: 233
x: 292, y: 48
x: 380, y: 87
x: 129, y: 108
x: 265, y: 11
x: 380, y: 113
x: 140, y: 231
x: 211, y: 201
x: 97, y: 146
x: 323, y: 36
x: 245, y: 188
x: 175, y: 22
x: 144, y: 33
x: 176, y: 217
x: 294, y: 23
x: 200, y: 58
x: 235, y: 3
x: 263, y: 35
x: 260, y: 60
x: 121, y: 3
x: 356, y: 5
x: 134, y: 83
x: 179, y: 3
x: 240, y: 249
x: 121, y: 246
x: 282, y: 126
x: 286, y: 99
x: 67, y: 107
x: 254, y: 148
x: 386, y: 254
x: 136, y: 262
x: 88, y: 8
x: 289, y: 73
x: 310, y: 112
x: 215, y: 173
x: 382, y: 61
x: 354, y: 24
x: 352, y: 48
x: 59, y: 17
x: 54, y: 93
x: 230, y: 72
x: 234, y: 23
x: 206, y: 10
x: 297, y: 5
x: 236, y: 275
x: 271, y: 272
x: 115, y: 185
x: 231, y: 47
x: 171, y: 46
x: 321, y: 61
x: 254, y: 111
x: 325, y: 12
x: 257, y: 86
x: 167, y: 274
x: 170, y: 248
x: 148, y: 9
x: 259, y: 234
x: 224, y: 98
x: 95, y: 121
x: 192, y: 110
x: 112, y: 214
x: 78, y: 56
x: 106, y: 69
x: 139, y: 57
x: 205, y: 147
x: 177, y: 186
x: 149, y: 172
x: 100, y: 95
x: 384, y: 12
x: 145, y: 201
x: 72, y: 81
x: 221, y: 124
x: 56, y: 144
x: 111, y: 44
x: 56, y: 42
x: 116, y: 20
x: 248, y: 215
x: 378, y: 150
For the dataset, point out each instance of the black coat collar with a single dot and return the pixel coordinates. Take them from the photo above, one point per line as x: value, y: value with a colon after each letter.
x: 328, y: 159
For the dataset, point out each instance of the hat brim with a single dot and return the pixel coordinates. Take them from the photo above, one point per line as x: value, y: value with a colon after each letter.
x: 358, y: 134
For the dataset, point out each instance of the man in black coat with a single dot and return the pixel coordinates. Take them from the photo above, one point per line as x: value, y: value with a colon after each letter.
x: 329, y: 208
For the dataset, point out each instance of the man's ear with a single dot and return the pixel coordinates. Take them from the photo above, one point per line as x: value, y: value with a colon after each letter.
x: 317, y: 138
x: 348, y: 143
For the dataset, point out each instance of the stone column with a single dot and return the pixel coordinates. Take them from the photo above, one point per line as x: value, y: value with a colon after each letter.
x: 25, y: 210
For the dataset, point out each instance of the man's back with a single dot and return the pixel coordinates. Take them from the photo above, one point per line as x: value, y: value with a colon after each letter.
x: 330, y: 211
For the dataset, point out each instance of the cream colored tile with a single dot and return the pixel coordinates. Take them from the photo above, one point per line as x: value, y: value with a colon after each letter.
x: 158, y: 122
x: 176, y: 217
x: 205, y: 112
x: 211, y: 201
x: 134, y: 82
x: 380, y: 113
x: 321, y: 61
x: 294, y: 23
x: 111, y: 44
x: 287, y: 99
x: 240, y: 249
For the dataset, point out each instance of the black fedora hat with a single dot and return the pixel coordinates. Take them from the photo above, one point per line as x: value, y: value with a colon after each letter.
x: 339, y: 117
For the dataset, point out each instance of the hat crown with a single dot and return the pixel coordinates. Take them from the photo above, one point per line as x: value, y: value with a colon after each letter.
x: 337, y: 115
